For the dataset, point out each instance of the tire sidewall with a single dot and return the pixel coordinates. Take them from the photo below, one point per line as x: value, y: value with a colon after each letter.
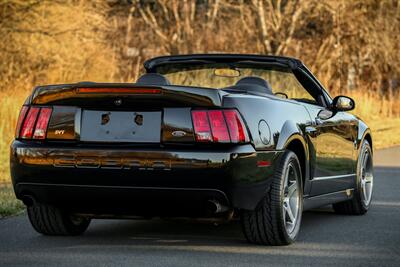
x: 290, y: 157
x: 364, y: 146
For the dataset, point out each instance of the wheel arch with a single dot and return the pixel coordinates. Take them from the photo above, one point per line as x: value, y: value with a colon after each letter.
x: 364, y: 133
x: 297, y: 147
x: 291, y: 138
x: 368, y: 137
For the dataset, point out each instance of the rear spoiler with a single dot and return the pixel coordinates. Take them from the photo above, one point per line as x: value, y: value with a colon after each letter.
x: 67, y: 93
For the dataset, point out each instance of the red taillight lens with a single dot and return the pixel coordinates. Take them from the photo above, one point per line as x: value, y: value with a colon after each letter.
x: 42, y: 122
x: 236, y: 126
x: 201, y: 126
x: 21, y: 118
x: 219, y: 126
x: 35, y: 123
x: 29, y: 123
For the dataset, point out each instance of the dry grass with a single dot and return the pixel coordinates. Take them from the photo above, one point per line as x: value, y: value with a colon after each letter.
x: 9, y: 205
x: 9, y: 110
x: 381, y: 115
x: 386, y: 132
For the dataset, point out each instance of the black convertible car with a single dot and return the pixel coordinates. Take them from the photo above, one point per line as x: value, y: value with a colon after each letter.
x: 217, y: 136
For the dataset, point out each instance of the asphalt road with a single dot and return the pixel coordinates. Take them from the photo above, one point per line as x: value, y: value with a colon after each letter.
x: 325, y: 238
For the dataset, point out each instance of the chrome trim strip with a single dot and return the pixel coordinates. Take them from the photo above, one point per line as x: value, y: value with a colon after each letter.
x: 328, y: 198
x: 332, y: 193
x: 77, y: 123
x: 333, y: 177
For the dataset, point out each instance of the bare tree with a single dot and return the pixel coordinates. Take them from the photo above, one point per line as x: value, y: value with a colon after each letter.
x: 277, y: 21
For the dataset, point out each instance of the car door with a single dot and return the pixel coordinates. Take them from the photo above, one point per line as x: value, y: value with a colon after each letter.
x: 331, y: 137
x: 331, y: 140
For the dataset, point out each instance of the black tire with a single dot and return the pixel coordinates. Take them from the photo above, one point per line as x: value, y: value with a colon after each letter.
x: 357, y: 205
x: 266, y: 225
x: 49, y: 220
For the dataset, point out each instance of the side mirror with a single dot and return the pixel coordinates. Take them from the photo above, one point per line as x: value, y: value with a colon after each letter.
x: 343, y: 103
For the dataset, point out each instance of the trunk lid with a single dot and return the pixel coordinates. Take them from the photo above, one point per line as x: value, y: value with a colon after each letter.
x: 106, y: 94
x: 124, y: 113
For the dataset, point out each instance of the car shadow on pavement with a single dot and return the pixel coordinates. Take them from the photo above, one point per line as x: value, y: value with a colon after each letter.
x: 320, y: 225
x: 167, y: 232
x: 325, y: 239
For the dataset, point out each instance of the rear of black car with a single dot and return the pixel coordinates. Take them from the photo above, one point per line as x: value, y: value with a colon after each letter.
x: 105, y: 150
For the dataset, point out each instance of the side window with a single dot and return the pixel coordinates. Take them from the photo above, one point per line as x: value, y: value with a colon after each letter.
x: 312, y: 85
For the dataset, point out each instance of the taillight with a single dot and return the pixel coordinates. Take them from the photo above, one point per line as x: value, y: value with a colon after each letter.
x: 236, y: 126
x: 41, y: 124
x: 201, y: 126
x: 219, y: 126
x: 35, y: 123
x: 21, y: 118
x: 29, y: 123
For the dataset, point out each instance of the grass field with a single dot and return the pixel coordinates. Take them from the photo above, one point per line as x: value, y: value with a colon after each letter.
x: 8, y: 204
x: 378, y: 113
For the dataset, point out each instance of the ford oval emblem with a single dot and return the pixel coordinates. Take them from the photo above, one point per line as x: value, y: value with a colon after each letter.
x: 178, y: 133
x: 118, y: 102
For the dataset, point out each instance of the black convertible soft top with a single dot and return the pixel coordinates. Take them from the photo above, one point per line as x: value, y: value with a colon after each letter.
x: 302, y: 73
x: 151, y: 64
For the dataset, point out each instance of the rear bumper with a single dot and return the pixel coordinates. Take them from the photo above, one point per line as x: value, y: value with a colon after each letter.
x: 139, y: 180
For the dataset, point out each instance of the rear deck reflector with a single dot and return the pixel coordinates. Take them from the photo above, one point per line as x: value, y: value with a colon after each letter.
x: 118, y: 90
x: 263, y: 163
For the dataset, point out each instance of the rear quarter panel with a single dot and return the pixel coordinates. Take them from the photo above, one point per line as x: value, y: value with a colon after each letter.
x: 285, y: 118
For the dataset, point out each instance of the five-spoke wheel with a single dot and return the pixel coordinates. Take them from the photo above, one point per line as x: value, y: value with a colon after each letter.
x: 291, y: 200
x: 276, y: 220
x: 366, y: 177
x: 361, y: 200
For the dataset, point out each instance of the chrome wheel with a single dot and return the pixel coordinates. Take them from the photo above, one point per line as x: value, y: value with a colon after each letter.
x: 366, y: 177
x: 277, y: 218
x: 291, y: 199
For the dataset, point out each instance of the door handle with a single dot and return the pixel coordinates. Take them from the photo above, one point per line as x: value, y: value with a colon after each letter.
x: 318, y: 121
x: 312, y: 131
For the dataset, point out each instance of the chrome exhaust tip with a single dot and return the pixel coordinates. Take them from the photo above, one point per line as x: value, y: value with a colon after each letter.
x: 216, y: 207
